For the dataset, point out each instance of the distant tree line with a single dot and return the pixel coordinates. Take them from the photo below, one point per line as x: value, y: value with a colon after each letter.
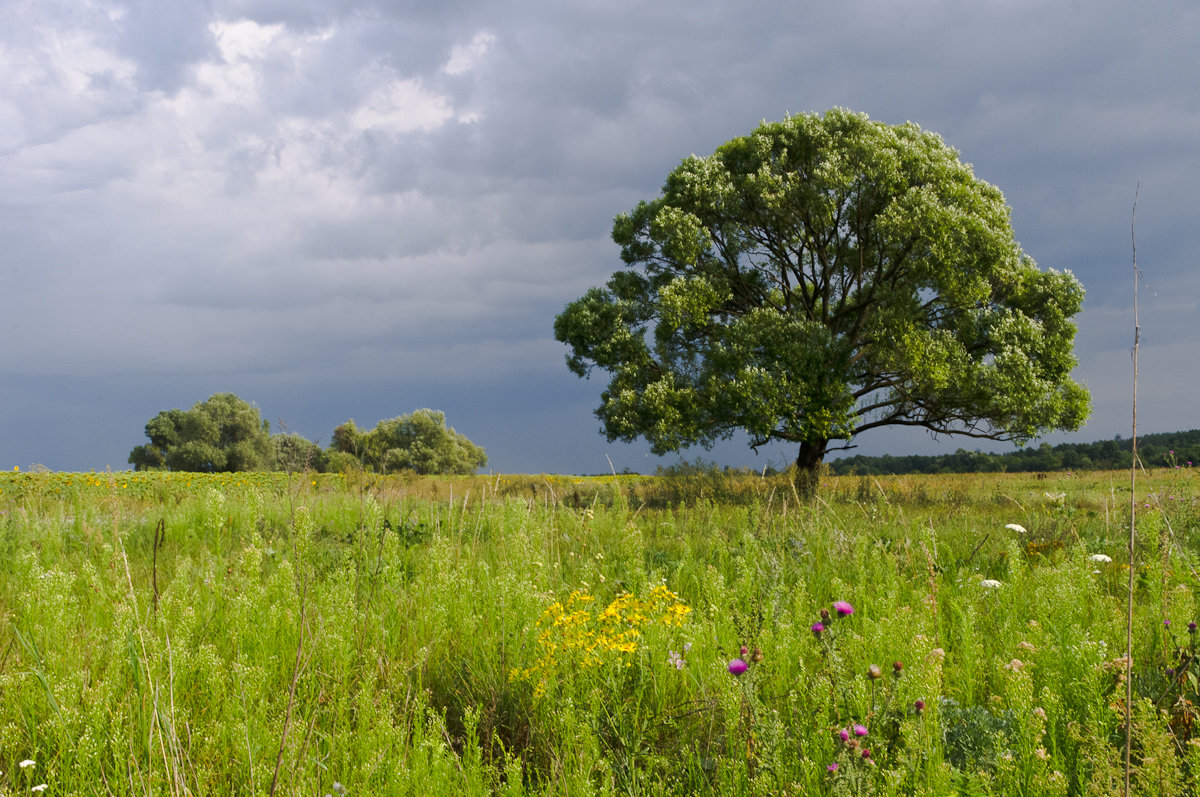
x: 1166, y: 450
x: 227, y: 433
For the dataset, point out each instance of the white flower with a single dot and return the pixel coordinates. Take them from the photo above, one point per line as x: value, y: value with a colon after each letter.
x: 1017, y: 527
x: 27, y: 763
x: 1100, y: 557
x: 989, y: 583
x: 39, y: 787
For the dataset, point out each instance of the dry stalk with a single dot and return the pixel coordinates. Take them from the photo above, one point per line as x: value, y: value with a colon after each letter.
x: 1132, y: 506
x: 160, y: 536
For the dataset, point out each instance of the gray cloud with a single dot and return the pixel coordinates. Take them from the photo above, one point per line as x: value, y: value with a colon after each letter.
x: 359, y: 208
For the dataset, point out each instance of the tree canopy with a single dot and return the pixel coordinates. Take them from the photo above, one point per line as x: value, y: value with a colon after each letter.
x: 823, y: 276
x: 226, y: 433
x: 420, y: 442
x: 223, y: 433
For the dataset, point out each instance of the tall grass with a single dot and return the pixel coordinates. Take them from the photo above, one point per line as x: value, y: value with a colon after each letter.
x: 263, y: 634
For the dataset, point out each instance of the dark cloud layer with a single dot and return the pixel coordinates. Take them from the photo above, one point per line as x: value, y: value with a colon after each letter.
x: 355, y: 209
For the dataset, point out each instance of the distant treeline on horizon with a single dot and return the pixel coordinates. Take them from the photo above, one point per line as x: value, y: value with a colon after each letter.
x: 1165, y: 450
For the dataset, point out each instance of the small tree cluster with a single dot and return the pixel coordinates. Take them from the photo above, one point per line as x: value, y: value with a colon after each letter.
x: 420, y: 442
x: 226, y: 433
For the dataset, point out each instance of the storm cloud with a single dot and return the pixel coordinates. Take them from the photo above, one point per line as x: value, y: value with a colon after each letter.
x: 355, y: 209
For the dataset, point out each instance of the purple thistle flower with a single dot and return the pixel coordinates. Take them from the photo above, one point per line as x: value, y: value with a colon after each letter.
x: 843, y: 609
x: 817, y: 628
x: 860, y: 730
x: 919, y: 706
x: 1191, y: 628
x: 844, y: 735
x: 738, y: 666
x: 833, y: 766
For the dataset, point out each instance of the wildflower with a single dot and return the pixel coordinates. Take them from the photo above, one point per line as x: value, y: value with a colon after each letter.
x: 843, y: 609
x: 27, y: 763
x: 1017, y: 527
x: 817, y: 628
x: 1040, y: 713
x: 937, y: 653
x: 833, y: 767
x: 874, y: 672
x: 824, y: 615
x: 844, y: 734
x: 990, y: 583
x: 744, y: 650
x: 897, y: 667
x: 1016, y: 665
x: 1166, y: 623
x: 1191, y: 628
x: 860, y: 730
x: 1100, y: 557
x: 757, y: 656
x: 676, y: 660
x: 738, y: 666
x: 866, y: 753
x: 919, y: 706
x: 40, y: 787
x: 1027, y: 647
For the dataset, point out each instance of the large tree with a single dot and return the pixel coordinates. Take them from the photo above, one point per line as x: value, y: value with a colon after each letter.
x: 823, y: 276
x: 223, y: 433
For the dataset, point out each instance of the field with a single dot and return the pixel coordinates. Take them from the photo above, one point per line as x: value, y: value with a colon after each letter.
x: 170, y: 634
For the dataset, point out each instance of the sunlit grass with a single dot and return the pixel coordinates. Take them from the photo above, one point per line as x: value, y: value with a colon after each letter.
x: 237, y: 633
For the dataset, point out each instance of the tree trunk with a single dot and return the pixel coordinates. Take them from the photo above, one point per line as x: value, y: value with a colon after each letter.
x: 808, y: 467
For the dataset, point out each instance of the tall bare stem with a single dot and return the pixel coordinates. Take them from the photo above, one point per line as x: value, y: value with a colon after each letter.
x: 1132, y: 505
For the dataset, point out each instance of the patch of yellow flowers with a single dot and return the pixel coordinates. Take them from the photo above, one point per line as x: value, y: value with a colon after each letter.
x: 571, y: 631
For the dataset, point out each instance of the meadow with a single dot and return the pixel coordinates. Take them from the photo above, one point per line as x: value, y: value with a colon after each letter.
x: 176, y: 634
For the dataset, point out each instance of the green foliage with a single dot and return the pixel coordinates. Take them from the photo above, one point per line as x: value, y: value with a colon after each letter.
x: 225, y: 434
x: 823, y: 276
x: 222, y: 434
x: 420, y: 442
x: 293, y: 453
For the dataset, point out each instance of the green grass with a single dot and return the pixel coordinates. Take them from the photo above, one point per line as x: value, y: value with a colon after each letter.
x: 258, y: 634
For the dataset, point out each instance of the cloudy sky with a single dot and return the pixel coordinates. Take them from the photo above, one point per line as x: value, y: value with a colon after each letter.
x: 353, y: 209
